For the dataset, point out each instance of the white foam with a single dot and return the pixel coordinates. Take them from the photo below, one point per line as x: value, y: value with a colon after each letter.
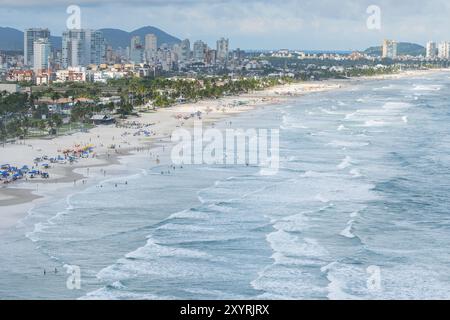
x: 322, y: 199
x: 375, y: 123
x: 356, y: 173
x: 396, y: 105
x: 347, y: 162
x: 347, y: 232
x: 427, y: 88
x: 347, y: 144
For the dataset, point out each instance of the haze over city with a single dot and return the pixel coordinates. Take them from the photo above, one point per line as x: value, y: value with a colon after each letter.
x: 254, y: 24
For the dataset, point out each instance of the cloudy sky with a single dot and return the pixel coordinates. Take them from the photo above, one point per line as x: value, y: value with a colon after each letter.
x: 250, y: 24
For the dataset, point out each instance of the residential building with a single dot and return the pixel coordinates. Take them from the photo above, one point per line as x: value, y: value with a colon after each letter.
x: 41, y: 56
x: 71, y: 74
x: 222, y: 50
x: 432, y: 50
x: 81, y: 47
x: 389, y: 49
x: 185, y: 51
x: 30, y: 36
x: 19, y: 76
x: 444, y: 50
x: 199, y: 51
x: 136, y: 50
x: 151, y: 47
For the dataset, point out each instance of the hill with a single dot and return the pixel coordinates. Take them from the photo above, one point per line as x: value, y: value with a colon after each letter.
x: 404, y: 48
x: 11, y: 39
x: 119, y: 38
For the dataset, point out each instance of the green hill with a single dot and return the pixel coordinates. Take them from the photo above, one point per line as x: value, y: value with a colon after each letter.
x: 404, y: 48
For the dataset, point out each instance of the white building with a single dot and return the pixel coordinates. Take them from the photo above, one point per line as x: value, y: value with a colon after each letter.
x: 136, y: 50
x: 432, y: 50
x: 30, y: 36
x: 71, y: 74
x: 104, y: 76
x: 83, y: 47
x: 41, y: 56
x: 151, y: 47
x: 389, y: 49
x: 199, y: 52
x: 185, y: 51
x: 223, y: 47
x: 444, y: 50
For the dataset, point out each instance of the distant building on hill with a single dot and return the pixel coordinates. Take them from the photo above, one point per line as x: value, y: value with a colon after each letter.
x: 390, y: 49
x: 444, y: 50
x: 432, y: 50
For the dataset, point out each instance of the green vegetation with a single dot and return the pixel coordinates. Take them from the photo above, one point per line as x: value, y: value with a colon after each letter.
x: 24, y: 115
x: 403, y: 49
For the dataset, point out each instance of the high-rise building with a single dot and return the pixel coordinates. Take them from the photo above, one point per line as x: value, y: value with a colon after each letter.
x: 151, y: 47
x: 389, y: 49
x: 222, y: 50
x: 41, y: 56
x: 30, y: 36
x: 81, y: 47
x: 185, y: 51
x: 136, y: 50
x: 444, y: 50
x: 211, y: 56
x: 199, y: 51
x: 432, y: 50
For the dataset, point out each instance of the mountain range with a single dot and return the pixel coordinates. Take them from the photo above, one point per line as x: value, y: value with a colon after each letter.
x: 12, y: 39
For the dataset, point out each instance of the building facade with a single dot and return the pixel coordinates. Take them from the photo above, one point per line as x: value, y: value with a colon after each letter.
x: 444, y: 50
x: 223, y: 47
x: 432, y: 50
x: 151, y: 47
x: 136, y: 50
x: 199, y: 51
x: 30, y: 36
x: 81, y: 47
x: 185, y: 51
x: 41, y: 56
x: 389, y: 49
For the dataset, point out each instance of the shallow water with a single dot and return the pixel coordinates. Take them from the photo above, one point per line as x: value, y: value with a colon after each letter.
x: 363, y: 183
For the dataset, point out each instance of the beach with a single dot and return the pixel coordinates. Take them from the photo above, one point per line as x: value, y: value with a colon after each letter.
x: 112, y: 142
x: 363, y: 174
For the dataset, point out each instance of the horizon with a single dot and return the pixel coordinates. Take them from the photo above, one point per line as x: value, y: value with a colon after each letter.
x: 256, y: 49
x: 257, y: 24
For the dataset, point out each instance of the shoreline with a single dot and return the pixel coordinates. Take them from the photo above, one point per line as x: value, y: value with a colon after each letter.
x: 17, y: 199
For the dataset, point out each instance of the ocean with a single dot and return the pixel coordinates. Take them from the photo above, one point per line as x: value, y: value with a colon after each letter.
x: 360, y: 209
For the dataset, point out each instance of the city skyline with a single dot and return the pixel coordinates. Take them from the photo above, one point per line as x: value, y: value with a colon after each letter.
x: 325, y: 25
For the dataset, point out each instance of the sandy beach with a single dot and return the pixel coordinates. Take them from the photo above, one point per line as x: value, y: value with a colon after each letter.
x: 113, y: 142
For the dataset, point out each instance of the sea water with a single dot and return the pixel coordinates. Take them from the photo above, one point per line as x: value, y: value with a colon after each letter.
x: 363, y: 185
